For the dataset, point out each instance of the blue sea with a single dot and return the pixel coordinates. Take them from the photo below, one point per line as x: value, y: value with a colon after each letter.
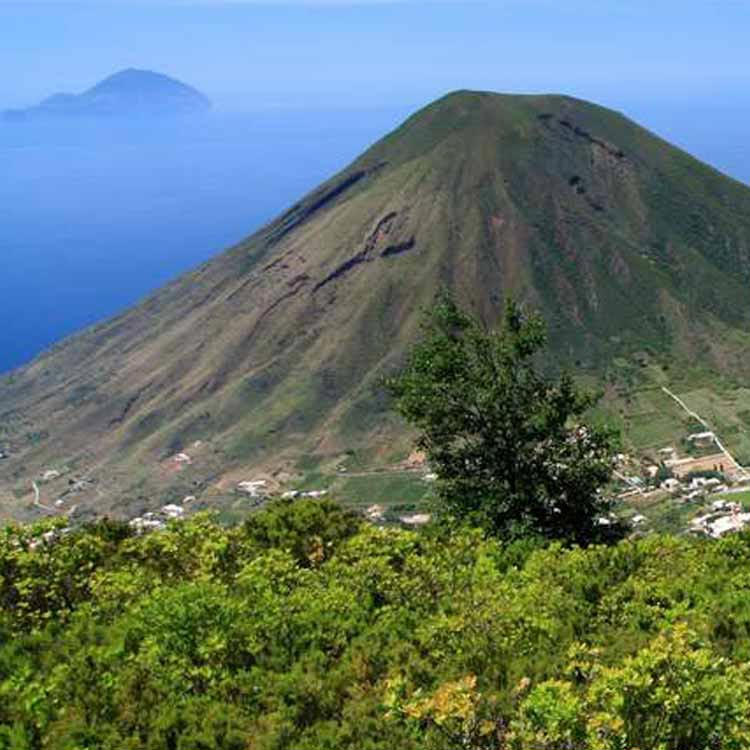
x: 94, y: 215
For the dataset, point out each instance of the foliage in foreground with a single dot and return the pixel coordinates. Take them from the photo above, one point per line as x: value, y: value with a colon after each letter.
x: 304, y: 629
x: 509, y: 443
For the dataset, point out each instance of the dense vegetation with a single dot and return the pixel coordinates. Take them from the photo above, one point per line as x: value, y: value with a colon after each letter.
x: 510, y: 444
x: 306, y: 629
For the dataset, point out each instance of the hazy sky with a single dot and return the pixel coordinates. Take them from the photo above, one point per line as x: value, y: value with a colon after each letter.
x: 371, y: 54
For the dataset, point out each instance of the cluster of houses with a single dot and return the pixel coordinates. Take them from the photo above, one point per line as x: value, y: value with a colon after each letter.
x: 157, y: 520
x: 709, y: 480
x: 258, y: 489
x: 688, y: 476
x: 722, y: 518
x: 695, y: 488
x: 293, y: 494
x: 721, y: 515
x: 254, y: 489
x: 75, y: 485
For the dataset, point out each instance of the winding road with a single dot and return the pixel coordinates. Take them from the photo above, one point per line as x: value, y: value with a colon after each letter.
x: 37, y: 501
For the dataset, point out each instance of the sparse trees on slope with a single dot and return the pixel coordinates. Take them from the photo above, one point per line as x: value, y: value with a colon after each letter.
x: 508, y: 443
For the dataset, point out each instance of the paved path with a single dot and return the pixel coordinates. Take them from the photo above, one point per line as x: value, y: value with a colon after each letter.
x: 702, y: 421
x: 734, y: 491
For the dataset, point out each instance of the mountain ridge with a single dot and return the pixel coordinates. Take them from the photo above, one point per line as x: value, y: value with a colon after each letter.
x: 274, y: 350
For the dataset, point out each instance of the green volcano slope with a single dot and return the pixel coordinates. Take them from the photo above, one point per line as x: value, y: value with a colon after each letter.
x: 630, y: 248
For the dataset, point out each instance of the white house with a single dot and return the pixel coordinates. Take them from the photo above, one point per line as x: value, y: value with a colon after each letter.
x: 701, y: 437
x: 252, y: 487
x: 670, y: 485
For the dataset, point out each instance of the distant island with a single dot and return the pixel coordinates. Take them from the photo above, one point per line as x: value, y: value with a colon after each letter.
x: 128, y: 93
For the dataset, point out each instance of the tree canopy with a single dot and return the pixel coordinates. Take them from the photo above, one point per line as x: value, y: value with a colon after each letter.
x: 308, y: 629
x: 509, y: 443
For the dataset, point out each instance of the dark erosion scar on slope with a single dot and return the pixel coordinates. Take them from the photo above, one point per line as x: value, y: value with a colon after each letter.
x: 300, y: 213
x: 580, y: 132
x: 382, y: 229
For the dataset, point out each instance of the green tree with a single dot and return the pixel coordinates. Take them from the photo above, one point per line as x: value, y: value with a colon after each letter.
x: 508, y: 442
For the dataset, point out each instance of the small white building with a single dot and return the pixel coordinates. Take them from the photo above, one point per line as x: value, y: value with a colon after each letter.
x: 726, y: 524
x: 375, y: 513
x: 700, y: 522
x: 670, y: 485
x: 253, y: 487
x: 142, y: 524
x: 701, y: 438
x: 172, y: 511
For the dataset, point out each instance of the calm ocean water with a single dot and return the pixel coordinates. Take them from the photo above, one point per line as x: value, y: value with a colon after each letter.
x: 95, y: 215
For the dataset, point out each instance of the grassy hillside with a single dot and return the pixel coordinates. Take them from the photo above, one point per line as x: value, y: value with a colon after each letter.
x: 634, y: 252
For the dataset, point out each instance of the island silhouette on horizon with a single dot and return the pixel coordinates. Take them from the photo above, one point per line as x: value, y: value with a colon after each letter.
x: 129, y: 92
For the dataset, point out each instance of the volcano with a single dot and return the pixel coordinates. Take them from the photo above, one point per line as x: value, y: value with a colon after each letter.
x: 274, y: 350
